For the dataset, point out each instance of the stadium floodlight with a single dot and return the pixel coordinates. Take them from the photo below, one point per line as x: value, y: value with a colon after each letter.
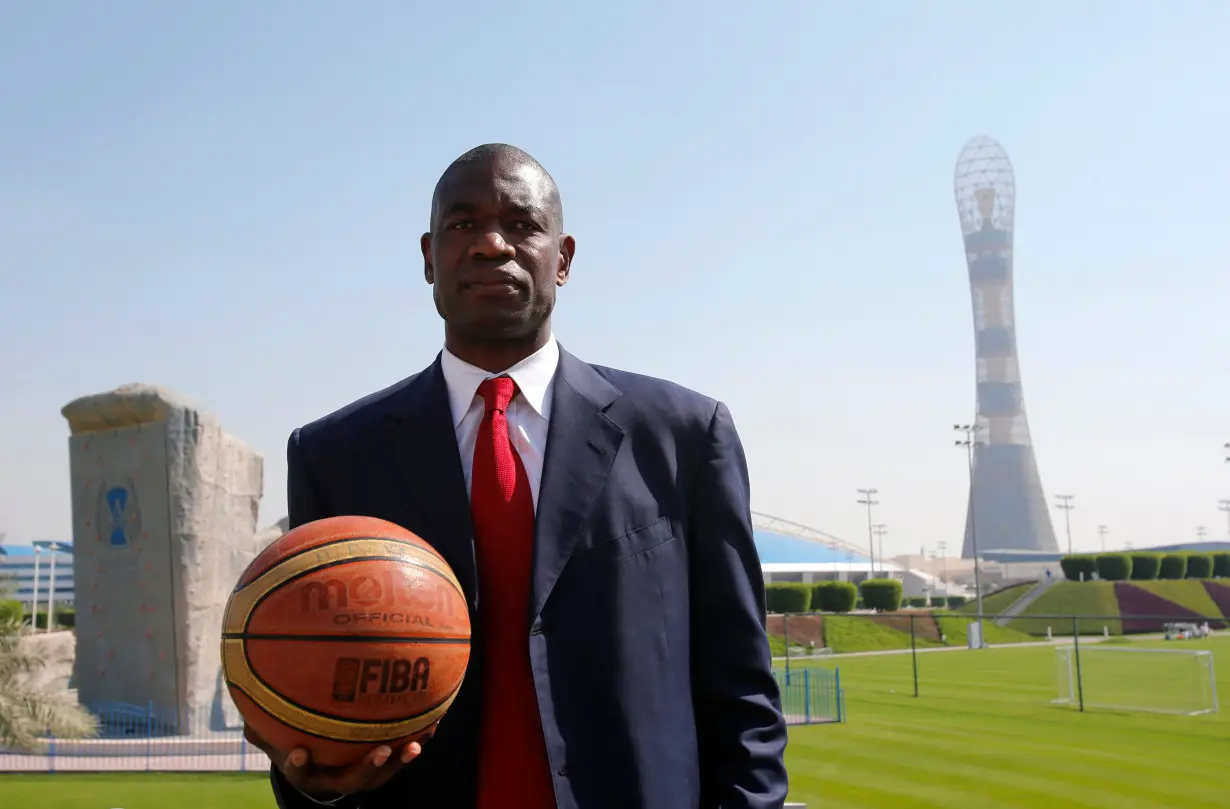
x: 1127, y: 678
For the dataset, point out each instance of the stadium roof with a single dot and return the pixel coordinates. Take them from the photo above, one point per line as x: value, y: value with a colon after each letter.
x: 780, y: 541
x: 28, y: 550
x: 775, y: 548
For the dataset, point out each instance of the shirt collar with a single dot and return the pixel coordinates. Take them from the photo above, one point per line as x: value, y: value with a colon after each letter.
x: 533, y: 376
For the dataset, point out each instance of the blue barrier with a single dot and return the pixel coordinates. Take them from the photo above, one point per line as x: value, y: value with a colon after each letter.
x: 812, y: 696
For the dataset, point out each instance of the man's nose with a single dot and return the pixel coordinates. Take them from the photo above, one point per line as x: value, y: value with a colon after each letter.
x: 491, y: 244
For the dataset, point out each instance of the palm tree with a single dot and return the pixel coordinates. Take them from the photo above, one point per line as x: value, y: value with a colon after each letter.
x: 26, y: 713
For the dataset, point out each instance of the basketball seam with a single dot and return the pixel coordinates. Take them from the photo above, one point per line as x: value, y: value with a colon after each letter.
x: 338, y: 563
x: 362, y: 724
x: 334, y: 539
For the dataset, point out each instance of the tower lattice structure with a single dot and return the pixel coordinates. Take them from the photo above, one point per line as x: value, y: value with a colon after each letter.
x: 1007, y: 506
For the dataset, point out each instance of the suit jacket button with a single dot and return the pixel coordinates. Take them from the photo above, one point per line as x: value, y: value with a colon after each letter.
x: 562, y: 771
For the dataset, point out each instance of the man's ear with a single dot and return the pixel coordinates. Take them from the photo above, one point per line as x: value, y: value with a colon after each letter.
x: 429, y: 272
x: 567, y: 249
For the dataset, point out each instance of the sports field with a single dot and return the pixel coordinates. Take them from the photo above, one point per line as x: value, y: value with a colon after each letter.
x: 982, y: 734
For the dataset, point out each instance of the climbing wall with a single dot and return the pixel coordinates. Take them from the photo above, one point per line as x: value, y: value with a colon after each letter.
x: 126, y: 623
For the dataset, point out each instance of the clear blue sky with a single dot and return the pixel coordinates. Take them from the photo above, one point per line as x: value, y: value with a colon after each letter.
x: 226, y: 199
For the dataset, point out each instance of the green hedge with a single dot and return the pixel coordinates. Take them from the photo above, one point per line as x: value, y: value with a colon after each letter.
x: 915, y: 601
x: 11, y: 610
x: 956, y: 601
x: 788, y: 597
x: 1199, y: 566
x: 1146, y: 565
x: 833, y: 596
x: 1114, y: 566
x: 1174, y: 566
x: 1074, y: 566
x: 882, y: 594
x: 66, y: 618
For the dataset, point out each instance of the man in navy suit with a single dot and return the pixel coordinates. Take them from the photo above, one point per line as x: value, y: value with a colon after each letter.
x: 599, y: 522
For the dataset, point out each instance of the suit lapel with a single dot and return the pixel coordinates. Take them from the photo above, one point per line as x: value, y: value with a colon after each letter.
x: 581, y: 446
x: 424, y: 454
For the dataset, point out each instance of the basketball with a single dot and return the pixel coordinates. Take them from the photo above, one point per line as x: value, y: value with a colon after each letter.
x: 344, y: 634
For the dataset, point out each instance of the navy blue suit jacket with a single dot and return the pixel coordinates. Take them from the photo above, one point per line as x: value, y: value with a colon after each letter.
x: 647, y: 617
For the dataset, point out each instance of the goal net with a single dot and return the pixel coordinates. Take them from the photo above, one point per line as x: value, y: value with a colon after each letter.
x: 1123, y: 678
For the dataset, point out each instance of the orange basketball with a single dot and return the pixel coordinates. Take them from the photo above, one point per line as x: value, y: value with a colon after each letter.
x: 344, y: 634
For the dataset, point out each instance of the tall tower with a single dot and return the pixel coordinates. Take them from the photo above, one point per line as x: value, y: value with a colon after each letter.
x: 1007, y: 507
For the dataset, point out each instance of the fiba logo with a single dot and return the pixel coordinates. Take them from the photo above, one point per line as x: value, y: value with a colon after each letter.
x: 117, y: 517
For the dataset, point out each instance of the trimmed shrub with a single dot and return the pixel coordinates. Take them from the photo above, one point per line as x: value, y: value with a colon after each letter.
x: 1221, y: 565
x: 12, y: 610
x: 782, y: 598
x: 956, y: 601
x: 1146, y: 566
x: 1199, y: 566
x: 833, y: 596
x: 916, y: 601
x: 67, y: 618
x: 1174, y: 566
x: 882, y: 594
x: 1114, y: 566
x: 1077, y: 564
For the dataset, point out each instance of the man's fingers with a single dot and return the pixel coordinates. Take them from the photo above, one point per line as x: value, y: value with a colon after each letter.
x: 410, y: 752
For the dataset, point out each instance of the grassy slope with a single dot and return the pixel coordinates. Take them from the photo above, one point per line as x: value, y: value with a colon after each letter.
x: 956, y: 629
x: 993, y: 739
x: 848, y: 633
x: 1189, y: 594
x: 1098, y: 598
x: 998, y: 602
x: 1065, y: 598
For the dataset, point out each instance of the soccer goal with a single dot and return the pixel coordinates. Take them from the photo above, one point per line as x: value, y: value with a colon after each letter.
x: 1125, y: 678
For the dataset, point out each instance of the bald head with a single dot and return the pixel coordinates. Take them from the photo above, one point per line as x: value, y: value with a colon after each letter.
x: 496, y: 157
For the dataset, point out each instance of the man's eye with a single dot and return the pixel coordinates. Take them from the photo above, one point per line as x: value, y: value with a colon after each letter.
x: 461, y: 225
x: 525, y: 224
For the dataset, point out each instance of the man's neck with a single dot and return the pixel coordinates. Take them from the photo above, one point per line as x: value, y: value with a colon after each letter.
x: 496, y: 356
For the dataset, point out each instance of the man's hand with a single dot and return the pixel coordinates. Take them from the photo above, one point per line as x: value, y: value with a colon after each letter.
x: 324, y: 784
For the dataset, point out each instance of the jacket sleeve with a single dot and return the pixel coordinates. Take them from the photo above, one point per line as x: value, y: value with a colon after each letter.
x: 304, y: 505
x: 741, y: 729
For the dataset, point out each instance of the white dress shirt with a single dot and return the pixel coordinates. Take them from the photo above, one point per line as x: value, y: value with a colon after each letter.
x: 528, y: 415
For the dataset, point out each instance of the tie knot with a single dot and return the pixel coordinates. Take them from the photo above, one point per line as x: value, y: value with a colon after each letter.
x: 497, y: 392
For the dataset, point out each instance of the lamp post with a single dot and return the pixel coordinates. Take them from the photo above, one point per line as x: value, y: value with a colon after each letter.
x: 868, y: 500
x: 1065, y: 503
x: 968, y: 440
x: 1224, y: 505
x: 880, y: 529
x: 1102, y: 529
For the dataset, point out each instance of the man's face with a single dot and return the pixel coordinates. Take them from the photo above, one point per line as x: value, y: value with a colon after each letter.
x: 495, y: 254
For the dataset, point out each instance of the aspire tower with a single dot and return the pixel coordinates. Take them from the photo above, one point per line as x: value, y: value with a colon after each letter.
x: 1007, y: 508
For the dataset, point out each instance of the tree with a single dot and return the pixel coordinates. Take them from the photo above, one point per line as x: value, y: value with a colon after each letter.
x: 27, y: 714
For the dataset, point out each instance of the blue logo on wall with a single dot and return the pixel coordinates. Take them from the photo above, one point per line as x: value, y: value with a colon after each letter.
x: 118, y: 516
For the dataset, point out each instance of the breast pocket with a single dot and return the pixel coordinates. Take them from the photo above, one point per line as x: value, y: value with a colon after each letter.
x: 633, y: 543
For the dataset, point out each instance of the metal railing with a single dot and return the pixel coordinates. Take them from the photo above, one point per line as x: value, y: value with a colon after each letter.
x: 149, y: 738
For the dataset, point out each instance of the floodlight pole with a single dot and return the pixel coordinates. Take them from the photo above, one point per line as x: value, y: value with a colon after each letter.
x: 1102, y: 529
x: 1224, y: 505
x: 1065, y: 503
x: 868, y: 501
x: 880, y: 529
x: 969, y: 440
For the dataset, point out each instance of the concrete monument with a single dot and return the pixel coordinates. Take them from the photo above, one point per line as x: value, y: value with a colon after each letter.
x: 164, y: 520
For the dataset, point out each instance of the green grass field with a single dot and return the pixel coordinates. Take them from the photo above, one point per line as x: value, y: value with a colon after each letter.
x: 982, y: 734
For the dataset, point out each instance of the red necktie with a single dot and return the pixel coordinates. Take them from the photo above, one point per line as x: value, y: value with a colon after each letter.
x: 513, y: 770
